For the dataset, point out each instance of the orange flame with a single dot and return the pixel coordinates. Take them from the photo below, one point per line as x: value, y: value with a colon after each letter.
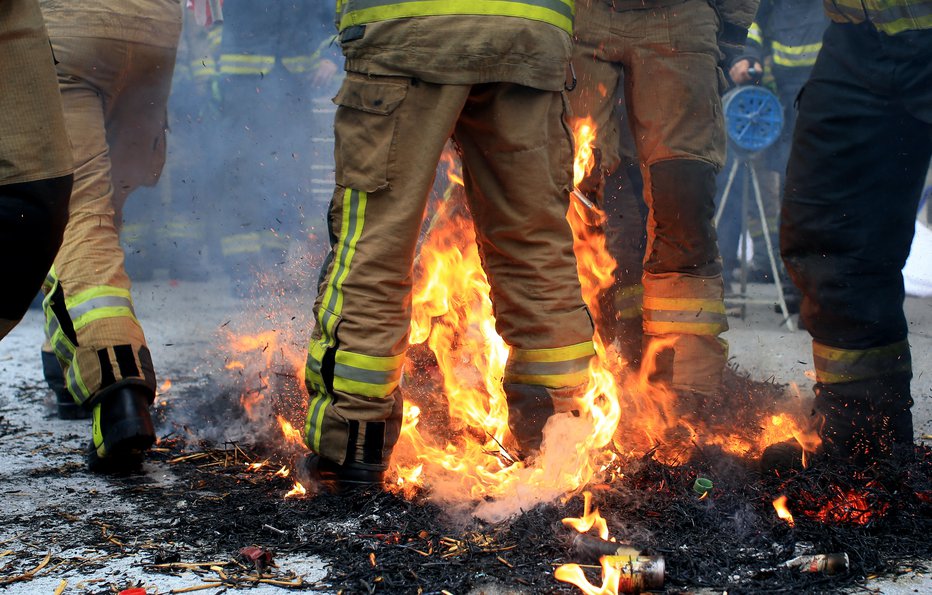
x: 292, y: 435
x: 297, y: 491
x: 573, y: 574
x: 782, y: 511
x: 590, y: 518
x: 165, y: 387
x: 452, y: 316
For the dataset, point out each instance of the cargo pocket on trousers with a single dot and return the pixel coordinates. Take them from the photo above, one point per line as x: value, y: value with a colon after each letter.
x: 364, y: 128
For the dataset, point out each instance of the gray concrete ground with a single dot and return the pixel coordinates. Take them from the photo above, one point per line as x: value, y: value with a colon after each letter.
x: 187, y: 325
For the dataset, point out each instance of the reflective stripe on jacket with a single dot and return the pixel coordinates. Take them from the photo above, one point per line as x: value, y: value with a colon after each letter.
x: 558, y: 13
x: 888, y: 16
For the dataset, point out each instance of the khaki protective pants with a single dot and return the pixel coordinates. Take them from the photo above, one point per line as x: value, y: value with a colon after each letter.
x: 516, y: 154
x: 666, y: 58
x: 114, y: 94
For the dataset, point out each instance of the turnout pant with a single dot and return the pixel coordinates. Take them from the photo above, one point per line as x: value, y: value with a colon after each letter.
x: 860, y: 153
x: 666, y: 58
x: 114, y: 94
x: 516, y: 154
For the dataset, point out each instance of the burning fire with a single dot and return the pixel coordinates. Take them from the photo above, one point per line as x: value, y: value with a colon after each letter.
x: 454, y: 435
x: 452, y: 315
x: 783, y: 512
x: 590, y: 518
x: 297, y: 491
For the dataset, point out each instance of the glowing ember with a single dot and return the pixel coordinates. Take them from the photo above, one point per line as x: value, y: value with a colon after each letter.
x: 297, y: 491
x: 255, y: 466
x: 782, y: 511
x: 849, y: 506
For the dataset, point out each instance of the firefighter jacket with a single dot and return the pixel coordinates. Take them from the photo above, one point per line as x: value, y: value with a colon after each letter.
x: 152, y: 22
x: 33, y: 141
x: 258, y: 36
x: 736, y: 15
x: 790, y: 31
x: 888, y: 16
x: 458, y: 43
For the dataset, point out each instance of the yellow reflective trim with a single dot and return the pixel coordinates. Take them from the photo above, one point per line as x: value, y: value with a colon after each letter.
x: 97, y: 434
x: 72, y: 377
x: 101, y: 313
x: 716, y: 306
x: 315, y: 415
x: 797, y: 49
x: 96, y: 292
x: 422, y: 8
x: 653, y: 327
x: 628, y: 313
x: 550, y: 380
x: 755, y: 33
x: 351, y: 249
x: 248, y: 58
x: 370, y: 362
x: 905, y: 24
x: 555, y: 354
x: 837, y: 354
x: 365, y: 389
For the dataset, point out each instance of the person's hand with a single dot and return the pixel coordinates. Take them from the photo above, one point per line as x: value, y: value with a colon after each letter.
x: 324, y: 73
x: 741, y: 73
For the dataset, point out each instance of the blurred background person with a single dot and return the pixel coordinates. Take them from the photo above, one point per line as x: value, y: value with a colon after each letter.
x: 274, y: 58
x: 115, y: 63
x: 35, y: 158
x: 781, y: 49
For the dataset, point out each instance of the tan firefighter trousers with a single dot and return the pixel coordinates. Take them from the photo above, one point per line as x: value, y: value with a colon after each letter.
x: 666, y: 58
x: 114, y: 94
x: 516, y: 153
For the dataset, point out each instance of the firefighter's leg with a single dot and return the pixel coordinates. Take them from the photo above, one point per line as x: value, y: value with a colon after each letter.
x: 516, y: 159
x: 389, y: 132
x: 91, y: 322
x: 846, y: 231
x: 32, y: 222
x: 672, y: 87
x: 625, y: 230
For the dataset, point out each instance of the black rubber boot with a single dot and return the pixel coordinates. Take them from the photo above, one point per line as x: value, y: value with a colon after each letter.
x: 340, y: 478
x: 55, y: 378
x: 122, y: 430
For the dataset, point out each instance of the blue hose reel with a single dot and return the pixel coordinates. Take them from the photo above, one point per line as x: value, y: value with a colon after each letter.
x: 753, y: 118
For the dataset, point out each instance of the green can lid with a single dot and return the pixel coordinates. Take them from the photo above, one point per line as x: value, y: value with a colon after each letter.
x: 702, y: 485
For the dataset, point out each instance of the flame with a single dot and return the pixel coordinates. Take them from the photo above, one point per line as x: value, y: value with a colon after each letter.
x: 255, y: 466
x: 782, y: 511
x: 297, y: 491
x: 573, y: 574
x: 452, y: 316
x: 258, y: 355
x: 292, y: 435
x: 165, y: 387
x: 590, y: 518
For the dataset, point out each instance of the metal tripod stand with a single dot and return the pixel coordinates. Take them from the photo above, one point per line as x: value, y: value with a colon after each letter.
x: 744, y: 160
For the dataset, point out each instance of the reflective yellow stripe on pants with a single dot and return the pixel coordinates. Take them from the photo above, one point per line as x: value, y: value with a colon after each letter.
x: 352, y: 224
x: 559, y: 367
x: 835, y: 365
x: 684, y: 316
